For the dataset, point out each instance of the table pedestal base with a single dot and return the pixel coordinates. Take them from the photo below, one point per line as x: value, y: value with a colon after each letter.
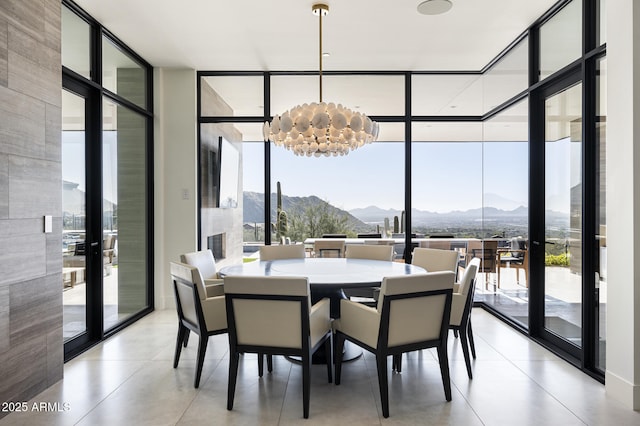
x: 350, y: 353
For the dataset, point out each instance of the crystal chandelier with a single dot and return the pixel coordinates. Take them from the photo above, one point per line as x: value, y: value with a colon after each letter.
x: 320, y: 128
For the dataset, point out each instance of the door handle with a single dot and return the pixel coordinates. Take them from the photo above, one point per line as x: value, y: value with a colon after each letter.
x: 536, y: 243
x: 95, y: 247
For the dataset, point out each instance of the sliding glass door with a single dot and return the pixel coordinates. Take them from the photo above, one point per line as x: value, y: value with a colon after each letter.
x: 563, y: 215
x: 107, y: 123
x: 74, y: 215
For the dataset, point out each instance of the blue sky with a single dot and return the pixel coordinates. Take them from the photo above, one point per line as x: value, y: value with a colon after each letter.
x: 446, y: 176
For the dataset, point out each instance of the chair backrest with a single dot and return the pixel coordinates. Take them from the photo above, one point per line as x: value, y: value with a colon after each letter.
x: 373, y: 252
x: 109, y: 242
x: 289, y: 251
x: 329, y: 248
x: 488, y: 253
x: 188, y: 288
x: 204, y: 261
x: 267, y: 311
x: 371, y: 235
x: 469, y: 275
x: 414, y: 308
x: 518, y: 245
x: 461, y: 308
x: 434, y: 260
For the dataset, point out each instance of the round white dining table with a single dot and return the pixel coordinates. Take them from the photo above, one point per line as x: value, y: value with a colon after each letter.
x: 327, y: 276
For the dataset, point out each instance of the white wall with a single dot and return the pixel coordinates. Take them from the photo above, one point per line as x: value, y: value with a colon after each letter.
x: 623, y: 195
x: 175, y: 142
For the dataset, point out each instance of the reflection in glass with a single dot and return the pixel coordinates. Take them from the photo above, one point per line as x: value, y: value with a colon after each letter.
x: 74, y: 216
x: 563, y: 214
x: 124, y: 212
x: 561, y: 39
x: 353, y: 91
x: 123, y: 75
x: 76, y: 53
x: 602, y: 22
x: 446, y: 94
x: 601, y: 212
x: 508, y: 77
x: 232, y: 96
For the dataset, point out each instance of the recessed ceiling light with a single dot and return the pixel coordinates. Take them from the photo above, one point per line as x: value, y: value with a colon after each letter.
x: 434, y: 7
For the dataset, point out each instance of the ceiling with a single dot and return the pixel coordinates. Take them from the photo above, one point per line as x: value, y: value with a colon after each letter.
x: 283, y: 35
x: 359, y: 35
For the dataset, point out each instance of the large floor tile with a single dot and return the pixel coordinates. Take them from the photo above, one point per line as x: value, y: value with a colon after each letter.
x: 130, y: 379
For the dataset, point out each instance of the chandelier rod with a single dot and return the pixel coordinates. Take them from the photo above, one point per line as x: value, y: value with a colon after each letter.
x: 320, y: 13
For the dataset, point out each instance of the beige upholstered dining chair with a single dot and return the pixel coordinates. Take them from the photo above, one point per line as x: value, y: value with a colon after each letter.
x: 274, y: 316
x: 368, y: 296
x: 435, y: 259
x: 329, y: 248
x: 203, y: 315
x: 413, y: 313
x: 460, y: 320
x: 289, y: 251
x: 515, y: 257
x: 372, y: 252
x: 206, y: 264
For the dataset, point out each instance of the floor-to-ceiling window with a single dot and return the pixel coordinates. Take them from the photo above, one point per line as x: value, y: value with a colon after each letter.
x: 563, y: 206
x: 601, y: 213
x: 454, y: 162
x: 106, y: 152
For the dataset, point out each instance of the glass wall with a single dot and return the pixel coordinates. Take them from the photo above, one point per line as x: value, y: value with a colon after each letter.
x: 123, y: 75
x: 446, y: 94
x: 561, y: 39
x: 353, y: 194
x: 563, y: 214
x: 74, y: 216
x: 124, y: 213
x: 107, y: 184
x: 506, y: 209
x: 469, y: 171
x: 601, y: 211
x: 75, y: 43
x: 508, y: 77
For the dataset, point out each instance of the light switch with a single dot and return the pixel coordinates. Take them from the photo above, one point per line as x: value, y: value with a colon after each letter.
x: 48, y: 224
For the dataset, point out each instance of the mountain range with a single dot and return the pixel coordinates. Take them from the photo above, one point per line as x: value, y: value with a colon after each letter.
x: 362, y: 218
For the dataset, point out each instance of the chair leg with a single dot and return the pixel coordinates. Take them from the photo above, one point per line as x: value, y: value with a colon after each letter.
x: 202, y: 349
x: 337, y: 350
x: 444, y: 369
x: 233, y: 375
x: 328, y: 357
x: 465, y: 350
x: 397, y: 363
x: 186, y: 336
x: 306, y: 383
x: 270, y: 363
x: 383, y: 382
x: 182, y: 330
x: 261, y: 364
x: 471, y: 342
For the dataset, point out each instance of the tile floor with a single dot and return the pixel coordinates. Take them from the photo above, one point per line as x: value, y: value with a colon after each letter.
x: 129, y: 380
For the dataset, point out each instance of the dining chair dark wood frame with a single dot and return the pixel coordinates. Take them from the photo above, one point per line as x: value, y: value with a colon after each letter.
x: 305, y: 353
x: 184, y: 326
x: 383, y: 350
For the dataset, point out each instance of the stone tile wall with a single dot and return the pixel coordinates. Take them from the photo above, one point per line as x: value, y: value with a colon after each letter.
x: 31, y: 346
